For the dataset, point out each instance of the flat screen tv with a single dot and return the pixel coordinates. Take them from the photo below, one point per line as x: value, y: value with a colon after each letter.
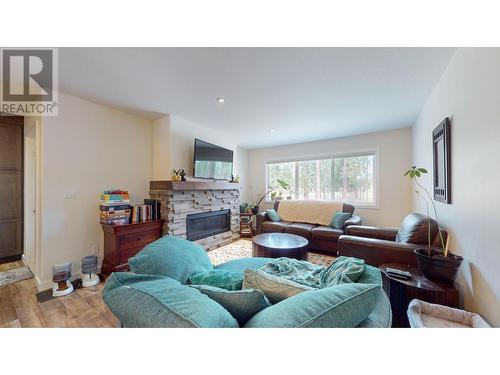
x: 211, y: 161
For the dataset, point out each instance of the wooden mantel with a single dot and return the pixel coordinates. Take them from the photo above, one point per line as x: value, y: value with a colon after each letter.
x: 193, y: 185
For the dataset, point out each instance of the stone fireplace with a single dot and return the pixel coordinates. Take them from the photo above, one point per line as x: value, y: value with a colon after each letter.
x: 204, y: 212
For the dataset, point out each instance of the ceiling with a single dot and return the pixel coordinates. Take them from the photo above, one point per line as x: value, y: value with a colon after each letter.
x: 273, y: 96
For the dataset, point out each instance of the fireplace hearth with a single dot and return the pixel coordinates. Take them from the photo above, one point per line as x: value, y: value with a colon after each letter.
x: 207, y: 224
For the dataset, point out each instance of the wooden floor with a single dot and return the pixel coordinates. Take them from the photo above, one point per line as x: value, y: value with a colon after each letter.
x: 84, y: 308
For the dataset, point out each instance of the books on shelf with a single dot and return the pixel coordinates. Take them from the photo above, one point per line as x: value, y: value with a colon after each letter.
x: 155, y: 208
x: 115, y: 208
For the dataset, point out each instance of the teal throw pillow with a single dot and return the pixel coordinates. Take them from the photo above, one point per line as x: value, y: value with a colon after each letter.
x: 171, y: 256
x: 273, y: 215
x: 148, y: 301
x: 340, y: 306
x: 241, y: 304
x: 339, y: 219
x: 219, y: 278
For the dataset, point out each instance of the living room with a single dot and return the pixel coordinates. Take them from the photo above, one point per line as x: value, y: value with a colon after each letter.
x: 175, y: 186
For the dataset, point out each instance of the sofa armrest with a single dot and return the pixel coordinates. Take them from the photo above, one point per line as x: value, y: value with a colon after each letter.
x: 380, y: 233
x: 353, y: 220
x: 261, y: 217
x: 376, y: 252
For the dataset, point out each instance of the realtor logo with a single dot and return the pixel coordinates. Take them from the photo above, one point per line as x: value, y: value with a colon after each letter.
x: 29, y: 81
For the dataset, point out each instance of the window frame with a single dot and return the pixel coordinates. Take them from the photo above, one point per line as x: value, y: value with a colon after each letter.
x: 369, y: 152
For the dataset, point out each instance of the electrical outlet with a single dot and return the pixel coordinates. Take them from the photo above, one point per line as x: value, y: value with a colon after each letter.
x: 70, y: 193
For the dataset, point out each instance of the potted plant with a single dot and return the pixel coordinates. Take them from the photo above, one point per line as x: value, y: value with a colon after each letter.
x: 177, y: 175
x: 260, y: 197
x: 437, y: 264
x: 284, y: 187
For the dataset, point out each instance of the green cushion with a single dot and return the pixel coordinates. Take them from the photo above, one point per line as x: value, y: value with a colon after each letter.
x: 157, y: 301
x: 242, y: 304
x: 343, y: 306
x: 381, y: 316
x: 273, y: 215
x: 218, y: 278
x: 240, y: 265
x: 171, y: 256
x: 339, y: 219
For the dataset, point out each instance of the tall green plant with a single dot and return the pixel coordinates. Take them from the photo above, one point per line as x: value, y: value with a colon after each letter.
x: 415, y: 174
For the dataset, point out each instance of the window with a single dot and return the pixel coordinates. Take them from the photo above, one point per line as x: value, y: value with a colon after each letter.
x: 347, y: 178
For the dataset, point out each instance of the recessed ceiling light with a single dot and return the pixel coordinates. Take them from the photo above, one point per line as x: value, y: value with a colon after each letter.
x: 273, y: 130
x: 220, y: 100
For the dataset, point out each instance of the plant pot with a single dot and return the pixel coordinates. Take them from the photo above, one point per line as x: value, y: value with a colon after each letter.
x: 255, y: 210
x: 436, y: 267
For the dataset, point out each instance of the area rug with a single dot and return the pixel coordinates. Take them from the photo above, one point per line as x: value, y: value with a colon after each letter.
x: 243, y: 249
x: 14, y: 275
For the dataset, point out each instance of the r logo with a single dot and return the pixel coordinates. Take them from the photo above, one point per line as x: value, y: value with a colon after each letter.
x: 29, y: 81
x: 27, y: 75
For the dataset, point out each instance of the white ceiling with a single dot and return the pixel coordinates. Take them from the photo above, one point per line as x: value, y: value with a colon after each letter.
x: 305, y: 94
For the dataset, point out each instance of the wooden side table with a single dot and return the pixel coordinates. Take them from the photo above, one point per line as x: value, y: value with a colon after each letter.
x: 401, y: 292
x: 246, y: 229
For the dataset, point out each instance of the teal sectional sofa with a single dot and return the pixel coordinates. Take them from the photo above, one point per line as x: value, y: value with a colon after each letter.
x: 158, y: 293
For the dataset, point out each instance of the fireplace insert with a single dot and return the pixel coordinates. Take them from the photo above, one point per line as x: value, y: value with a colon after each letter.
x: 207, y: 224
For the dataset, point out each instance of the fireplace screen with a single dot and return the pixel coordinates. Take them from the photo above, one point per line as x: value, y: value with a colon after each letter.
x: 207, y: 224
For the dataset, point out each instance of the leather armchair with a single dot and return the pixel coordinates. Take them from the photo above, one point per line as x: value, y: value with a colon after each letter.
x: 379, y: 245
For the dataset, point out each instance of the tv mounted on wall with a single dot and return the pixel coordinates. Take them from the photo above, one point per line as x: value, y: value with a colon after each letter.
x: 211, y: 161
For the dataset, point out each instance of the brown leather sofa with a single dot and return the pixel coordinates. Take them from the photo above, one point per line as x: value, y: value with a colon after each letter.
x: 321, y: 238
x: 378, y: 245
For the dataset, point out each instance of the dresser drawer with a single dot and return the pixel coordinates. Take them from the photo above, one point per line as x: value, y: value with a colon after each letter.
x: 122, y: 242
x: 125, y: 255
x: 137, y: 240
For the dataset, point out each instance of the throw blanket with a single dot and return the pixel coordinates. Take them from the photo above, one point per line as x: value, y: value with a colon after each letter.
x: 312, y: 212
x: 342, y: 270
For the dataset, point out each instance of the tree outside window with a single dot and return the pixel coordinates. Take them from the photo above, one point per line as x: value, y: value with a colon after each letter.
x: 349, y: 179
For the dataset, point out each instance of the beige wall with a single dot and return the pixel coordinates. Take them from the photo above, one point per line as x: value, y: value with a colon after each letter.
x: 393, y: 150
x: 85, y: 149
x: 468, y: 93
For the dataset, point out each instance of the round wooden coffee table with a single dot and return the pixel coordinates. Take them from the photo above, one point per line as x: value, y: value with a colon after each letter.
x: 275, y: 245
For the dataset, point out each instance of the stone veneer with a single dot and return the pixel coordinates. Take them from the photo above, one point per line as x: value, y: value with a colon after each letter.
x: 176, y: 204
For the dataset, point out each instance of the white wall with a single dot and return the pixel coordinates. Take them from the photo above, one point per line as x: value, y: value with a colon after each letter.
x: 394, y: 157
x: 242, y: 164
x: 87, y: 148
x: 468, y: 93
x: 161, y: 149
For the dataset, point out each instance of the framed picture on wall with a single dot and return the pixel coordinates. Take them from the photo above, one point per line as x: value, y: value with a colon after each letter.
x: 442, y: 161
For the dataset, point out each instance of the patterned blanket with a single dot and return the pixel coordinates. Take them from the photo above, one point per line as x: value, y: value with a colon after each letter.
x: 342, y: 270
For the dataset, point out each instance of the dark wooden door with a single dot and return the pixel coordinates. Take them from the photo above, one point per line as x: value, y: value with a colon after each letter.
x: 11, y: 187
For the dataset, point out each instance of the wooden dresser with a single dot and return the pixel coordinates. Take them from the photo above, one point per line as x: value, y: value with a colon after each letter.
x: 122, y: 242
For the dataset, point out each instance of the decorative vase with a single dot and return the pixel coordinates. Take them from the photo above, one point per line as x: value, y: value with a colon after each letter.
x: 436, y: 267
x: 255, y: 210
